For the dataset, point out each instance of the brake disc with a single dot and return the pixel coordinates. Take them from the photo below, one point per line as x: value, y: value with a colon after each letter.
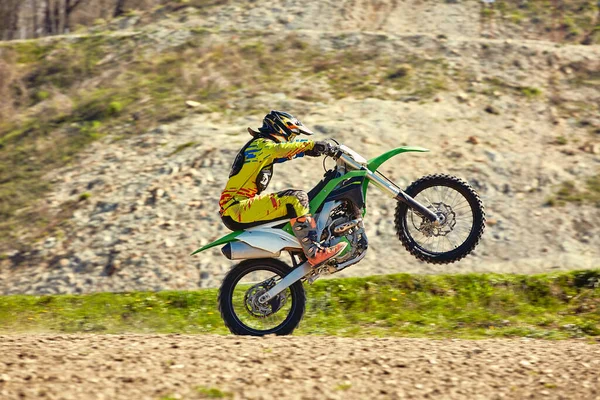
x: 429, y: 229
x: 258, y: 310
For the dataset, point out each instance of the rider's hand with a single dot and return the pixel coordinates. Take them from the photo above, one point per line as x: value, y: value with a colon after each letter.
x: 332, y: 150
x: 319, y: 149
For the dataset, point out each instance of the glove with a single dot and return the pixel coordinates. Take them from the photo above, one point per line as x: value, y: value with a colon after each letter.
x: 319, y: 149
x: 332, y: 151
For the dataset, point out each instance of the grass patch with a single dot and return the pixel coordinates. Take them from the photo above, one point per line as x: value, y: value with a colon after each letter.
x: 213, y: 393
x: 42, y: 95
x: 570, y: 192
x: 573, y: 22
x: 561, y: 140
x: 553, y: 306
x: 182, y: 147
x: 530, y: 92
x: 517, y: 17
x: 497, y: 84
x: 85, y: 196
x: 343, y: 386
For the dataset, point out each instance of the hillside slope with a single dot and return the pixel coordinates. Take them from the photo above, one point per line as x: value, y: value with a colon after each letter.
x: 517, y: 118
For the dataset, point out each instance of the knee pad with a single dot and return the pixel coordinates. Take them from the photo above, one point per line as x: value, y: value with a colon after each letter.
x: 301, y: 195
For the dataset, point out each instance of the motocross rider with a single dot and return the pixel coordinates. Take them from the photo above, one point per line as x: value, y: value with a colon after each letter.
x: 242, y: 205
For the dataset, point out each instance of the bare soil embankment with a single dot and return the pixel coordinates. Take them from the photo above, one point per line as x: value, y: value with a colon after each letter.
x: 195, y: 367
x: 110, y: 180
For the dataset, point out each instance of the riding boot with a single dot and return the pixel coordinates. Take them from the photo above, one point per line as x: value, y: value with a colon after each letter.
x: 305, y: 229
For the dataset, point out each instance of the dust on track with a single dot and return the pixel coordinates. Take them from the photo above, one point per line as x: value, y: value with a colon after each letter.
x: 156, y: 366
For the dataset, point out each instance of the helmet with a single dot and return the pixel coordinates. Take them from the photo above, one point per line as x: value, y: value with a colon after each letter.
x: 282, y: 127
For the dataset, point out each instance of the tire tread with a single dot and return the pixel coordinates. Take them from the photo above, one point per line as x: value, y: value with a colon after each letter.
x: 471, y: 242
x: 231, y: 278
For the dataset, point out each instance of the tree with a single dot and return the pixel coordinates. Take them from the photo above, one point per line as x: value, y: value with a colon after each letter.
x: 48, y: 19
x: 70, y: 6
x: 9, y: 18
x: 594, y: 33
x: 56, y: 18
x: 14, y: 21
x: 119, y: 8
x: 34, y: 10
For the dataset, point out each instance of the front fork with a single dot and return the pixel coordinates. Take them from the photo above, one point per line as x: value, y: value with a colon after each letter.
x: 418, y: 207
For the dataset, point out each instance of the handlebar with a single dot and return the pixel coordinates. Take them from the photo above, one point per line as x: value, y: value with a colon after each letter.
x: 334, y: 152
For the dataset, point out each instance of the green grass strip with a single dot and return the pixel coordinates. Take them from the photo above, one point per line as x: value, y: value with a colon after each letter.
x: 554, y: 306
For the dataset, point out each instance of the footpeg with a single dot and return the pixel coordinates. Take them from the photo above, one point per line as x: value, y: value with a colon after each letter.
x: 313, y: 278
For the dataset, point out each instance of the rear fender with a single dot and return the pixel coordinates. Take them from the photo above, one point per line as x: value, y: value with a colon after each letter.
x: 273, y: 241
x: 264, y: 237
x: 224, y: 240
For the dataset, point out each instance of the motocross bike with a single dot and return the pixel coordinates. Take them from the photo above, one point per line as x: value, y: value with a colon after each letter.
x: 439, y: 219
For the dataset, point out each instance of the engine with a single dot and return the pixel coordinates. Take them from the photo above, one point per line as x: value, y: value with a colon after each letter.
x: 346, y: 226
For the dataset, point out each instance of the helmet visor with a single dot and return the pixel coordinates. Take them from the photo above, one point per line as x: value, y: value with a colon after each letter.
x: 304, y: 130
x: 298, y: 128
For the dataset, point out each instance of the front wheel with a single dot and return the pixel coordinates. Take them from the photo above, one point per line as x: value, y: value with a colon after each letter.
x: 462, y: 220
x: 240, y: 309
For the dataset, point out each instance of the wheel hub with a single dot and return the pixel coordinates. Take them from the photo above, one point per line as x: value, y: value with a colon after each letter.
x: 263, y: 310
x: 443, y: 226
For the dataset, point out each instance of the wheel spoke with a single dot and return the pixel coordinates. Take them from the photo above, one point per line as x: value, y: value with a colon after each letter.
x: 451, y: 244
x: 466, y: 206
x: 457, y: 196
x: 446, y: 190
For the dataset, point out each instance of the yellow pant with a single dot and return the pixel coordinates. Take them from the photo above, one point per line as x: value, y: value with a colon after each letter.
x: 268, y: 207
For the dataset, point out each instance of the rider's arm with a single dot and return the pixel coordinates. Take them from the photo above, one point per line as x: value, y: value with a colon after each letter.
x: 287, y: 151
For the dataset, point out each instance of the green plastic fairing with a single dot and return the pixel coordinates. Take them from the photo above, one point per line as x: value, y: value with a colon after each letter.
x: 376, y: 162
x: 225, y: 239
x: 320, y: 198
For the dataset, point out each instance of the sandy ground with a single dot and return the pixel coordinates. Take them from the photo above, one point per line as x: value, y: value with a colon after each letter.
x: 158, y: 366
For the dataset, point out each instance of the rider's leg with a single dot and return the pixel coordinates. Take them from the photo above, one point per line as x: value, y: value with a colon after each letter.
x: 305, y: 228
x: 259, y: 208
x: 272, y: 206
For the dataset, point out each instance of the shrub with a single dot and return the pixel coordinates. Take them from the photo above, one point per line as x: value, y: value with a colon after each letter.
x: 42, y: 95
x: 561, y: 140
x: 84, y: 196
x: 401, y: 72
x: 530, y: 92
x: 115, y: 108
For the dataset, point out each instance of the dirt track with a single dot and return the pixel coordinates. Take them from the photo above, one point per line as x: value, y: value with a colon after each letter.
x: 152, y: 367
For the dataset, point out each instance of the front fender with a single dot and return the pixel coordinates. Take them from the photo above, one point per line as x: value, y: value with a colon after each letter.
x: 376, y: 162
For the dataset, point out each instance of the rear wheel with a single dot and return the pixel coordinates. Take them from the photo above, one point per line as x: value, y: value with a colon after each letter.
x: 238, y: 299
x: 462, y: 214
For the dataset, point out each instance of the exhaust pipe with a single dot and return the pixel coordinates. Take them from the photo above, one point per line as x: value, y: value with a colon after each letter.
x: 242, y: 251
